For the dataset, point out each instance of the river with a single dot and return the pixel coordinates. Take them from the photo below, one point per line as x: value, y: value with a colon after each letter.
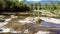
x: 52, y: 23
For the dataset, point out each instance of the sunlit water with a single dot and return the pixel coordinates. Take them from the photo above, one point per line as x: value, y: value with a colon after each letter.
x: 52, y: 25
x: 2, y: 24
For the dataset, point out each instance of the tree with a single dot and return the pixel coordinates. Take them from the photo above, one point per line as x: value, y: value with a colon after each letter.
x: 58, y: 5
x: 13, y: 6
x: 52, y: 6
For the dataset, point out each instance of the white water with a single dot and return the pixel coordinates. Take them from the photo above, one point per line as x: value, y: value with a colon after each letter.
x: 42, y: 32
x: 5, y: 30
x: 2, y: 24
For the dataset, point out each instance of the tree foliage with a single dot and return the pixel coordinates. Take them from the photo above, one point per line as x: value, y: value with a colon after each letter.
x: 47, y: 6
x: 13, y: 6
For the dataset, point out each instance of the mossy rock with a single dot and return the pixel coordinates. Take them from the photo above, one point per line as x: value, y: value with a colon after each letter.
x: 2, y: 20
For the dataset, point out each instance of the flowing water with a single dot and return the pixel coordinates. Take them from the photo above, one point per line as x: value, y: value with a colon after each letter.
x: 52, y: 25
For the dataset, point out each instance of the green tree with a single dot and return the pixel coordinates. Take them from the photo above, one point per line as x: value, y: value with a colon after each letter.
x: 13, y: 6
x: 58, y: 5
x: 52, y: 7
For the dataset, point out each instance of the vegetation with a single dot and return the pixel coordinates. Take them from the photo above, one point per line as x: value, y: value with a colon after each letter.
x: 16, y: 6
x: 38, y: 20
x: 52, y: 6
x: 13, y: 6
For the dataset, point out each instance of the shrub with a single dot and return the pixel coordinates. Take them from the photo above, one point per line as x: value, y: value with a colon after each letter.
x: 38, y: 20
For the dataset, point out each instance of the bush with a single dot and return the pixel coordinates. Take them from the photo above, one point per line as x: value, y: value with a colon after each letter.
x: 38, y: 20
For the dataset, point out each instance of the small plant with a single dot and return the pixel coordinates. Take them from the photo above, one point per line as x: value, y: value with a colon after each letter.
x: 38, y: 20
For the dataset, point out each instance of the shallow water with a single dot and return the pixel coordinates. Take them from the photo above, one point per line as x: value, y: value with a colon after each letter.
x: 52, y: 25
